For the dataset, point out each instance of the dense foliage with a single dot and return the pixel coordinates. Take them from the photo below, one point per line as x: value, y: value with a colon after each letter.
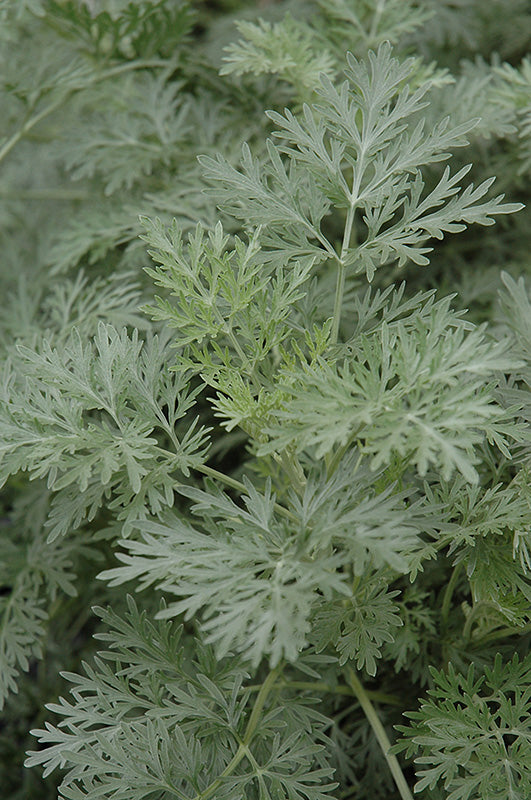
x: 266, y: 368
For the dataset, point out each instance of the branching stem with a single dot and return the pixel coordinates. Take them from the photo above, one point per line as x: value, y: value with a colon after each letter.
x: 220, y: 476
x: 31, y: 121
x: 243, y: 749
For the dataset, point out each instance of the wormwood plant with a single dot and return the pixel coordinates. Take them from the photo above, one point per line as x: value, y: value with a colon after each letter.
x: 287, y: 437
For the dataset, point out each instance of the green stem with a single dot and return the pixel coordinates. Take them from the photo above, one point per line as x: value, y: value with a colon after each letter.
x: 28, y: 125
x: 503, y: 633
x: 340, y: 452
x: 380, y: 734
x: 220, y: 476
x: 338, y: 302
x: 32, y: 121
x: 290, y: 464
x: 321, y: 686
x: 340, y: 283
x: 475, y: 612
x: 260, y: 702
x: 447, y: 599
x: 119, y: 69
x: 245, y: 361
x: 374, y: 24
x: 45, y: 194
x: 229, y: 769
x: 243, y: 749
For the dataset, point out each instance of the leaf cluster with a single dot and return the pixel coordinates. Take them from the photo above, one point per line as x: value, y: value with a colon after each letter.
x: 215, y: 392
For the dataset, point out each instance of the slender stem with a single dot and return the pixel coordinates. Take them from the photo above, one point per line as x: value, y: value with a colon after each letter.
x: 45, y: 194
x: 445, y: 613
x: 290, y: 464
x: 267, y: 685
x: 245, y: 361
x: 214, y: 473
x: 379, y: 732
x: 220, y: 476
x: 338, y: 302
x: 447, y: 599
x: 327, y: 247
x: 28, y: 125
x: 503, y: 633
x: 119, y: 69
x: 243, y: 749
x: 473, y: 615
x: 340, y: 452
x: 374, y: 24
x: 340, y: 282
x: 229, y: 769
x: 349, y: 222
x: 32, y: 121
x: 321, y: 686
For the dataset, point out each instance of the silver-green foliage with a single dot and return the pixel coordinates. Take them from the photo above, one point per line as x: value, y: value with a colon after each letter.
x: 149, y: 718
x: 473, y: 732
x: 361, y: 148
x: 323, y: 473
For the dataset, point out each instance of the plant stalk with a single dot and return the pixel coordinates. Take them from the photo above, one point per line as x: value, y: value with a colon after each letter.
x: 234, y: 484
x: 340, y: 282
x: 379, y: 732
x: 49, y: 109
x: 243, y: 749
x: 448, y: 593
x: 321, y: 686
